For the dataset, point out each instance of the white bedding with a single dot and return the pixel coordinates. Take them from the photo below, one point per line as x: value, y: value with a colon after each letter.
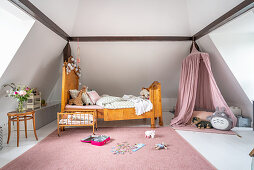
x: 141, y: 105
x: 120, y: 105
x: 127, y: 101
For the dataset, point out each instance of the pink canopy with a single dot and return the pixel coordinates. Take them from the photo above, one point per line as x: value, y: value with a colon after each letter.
x: 197, y: 89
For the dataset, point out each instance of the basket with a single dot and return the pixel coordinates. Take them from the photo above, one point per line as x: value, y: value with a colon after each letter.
x: 243, y: 122
x: 1, y: 138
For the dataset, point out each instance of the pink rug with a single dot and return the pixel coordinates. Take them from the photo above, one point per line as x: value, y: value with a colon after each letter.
x: 195, y: 129
x: 67, y: 152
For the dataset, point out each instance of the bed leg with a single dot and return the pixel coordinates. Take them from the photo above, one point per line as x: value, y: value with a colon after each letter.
x: 96, y: 128
x: 96, y: 121
x: 58, y: 132
x: 93, y: 129
x: 58, y: 124
x: 152, y: 123
x: 160, y: 121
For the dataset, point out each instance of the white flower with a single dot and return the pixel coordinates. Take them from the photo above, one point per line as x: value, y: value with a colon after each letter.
x: 22, y: 92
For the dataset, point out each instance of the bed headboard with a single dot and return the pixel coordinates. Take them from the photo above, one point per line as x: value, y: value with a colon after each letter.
x: 69, y: 81
x: 155, y: 97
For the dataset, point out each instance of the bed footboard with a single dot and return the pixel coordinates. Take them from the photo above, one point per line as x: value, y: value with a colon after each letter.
x: 155, y: 98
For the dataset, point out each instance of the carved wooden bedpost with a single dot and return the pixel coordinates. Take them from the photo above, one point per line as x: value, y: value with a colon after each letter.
x: 151, y: 92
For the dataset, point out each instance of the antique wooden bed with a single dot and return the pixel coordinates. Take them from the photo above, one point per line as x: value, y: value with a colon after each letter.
x: 71, y: 81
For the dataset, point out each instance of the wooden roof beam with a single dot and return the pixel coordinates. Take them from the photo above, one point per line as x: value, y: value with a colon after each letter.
x: 230, y: 15
x: 130, y: 38
x: 33, y: 11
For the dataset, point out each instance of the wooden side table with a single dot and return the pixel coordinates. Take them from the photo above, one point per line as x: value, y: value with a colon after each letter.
x: 16, y: 117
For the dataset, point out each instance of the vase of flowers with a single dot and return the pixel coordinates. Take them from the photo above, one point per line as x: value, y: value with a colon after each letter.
x: 21, y: 93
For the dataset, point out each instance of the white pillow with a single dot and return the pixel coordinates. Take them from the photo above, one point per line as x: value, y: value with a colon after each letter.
x: 74, y: 93
x: 106, y: 100
x: 86, y: 99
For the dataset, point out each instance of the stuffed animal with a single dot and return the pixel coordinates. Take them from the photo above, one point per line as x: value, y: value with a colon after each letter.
x: 201, y: 123
x: 144, y: 93
x: 78, y: 100
x: 150, y: 134
x: 161, y: 146
x: 220, y: 120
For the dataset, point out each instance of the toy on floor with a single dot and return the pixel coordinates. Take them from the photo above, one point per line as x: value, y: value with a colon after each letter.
x: 125, y: 147
x: 100, y: 140
x: 150, y: 134
x: 201, y: 124
x: 138, y: 146
x: 96, y: 140
x: 88, y: 139
x: 220, y: 120
x: 161, y: 146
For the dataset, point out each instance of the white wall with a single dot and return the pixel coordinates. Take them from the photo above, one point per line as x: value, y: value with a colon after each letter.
x: 119, y: 68
x: 226, y: 81
x: 203, y: 12
x: 36, y: 63
x: 238, y: 52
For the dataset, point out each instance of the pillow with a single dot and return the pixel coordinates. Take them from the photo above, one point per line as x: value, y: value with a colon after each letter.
x: 74, y: 93
x: 86, y: 99
x: 201, y: 114
x: 93, y: 96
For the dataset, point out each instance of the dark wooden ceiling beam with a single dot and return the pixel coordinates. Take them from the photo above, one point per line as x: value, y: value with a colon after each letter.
x: 230, y: 15
x: 130, y: 38
x: 30, y: 9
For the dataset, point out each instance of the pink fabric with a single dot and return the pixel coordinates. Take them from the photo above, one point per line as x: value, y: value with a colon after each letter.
x: 83, y: 107
x: 197, y: 89
x: 67, y: 152
x: 195, y: 129
x: 93, y: 96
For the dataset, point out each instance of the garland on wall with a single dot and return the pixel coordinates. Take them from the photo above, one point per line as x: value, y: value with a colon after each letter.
x: 72, y: 65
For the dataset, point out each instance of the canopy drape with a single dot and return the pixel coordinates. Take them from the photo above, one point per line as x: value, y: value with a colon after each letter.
x: 198, y: 89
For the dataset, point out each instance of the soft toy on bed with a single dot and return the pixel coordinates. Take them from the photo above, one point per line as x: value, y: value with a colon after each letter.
x: 201, y: 123
x: 144, y: 93
x: 220, y: 120
x: 78, y: 100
